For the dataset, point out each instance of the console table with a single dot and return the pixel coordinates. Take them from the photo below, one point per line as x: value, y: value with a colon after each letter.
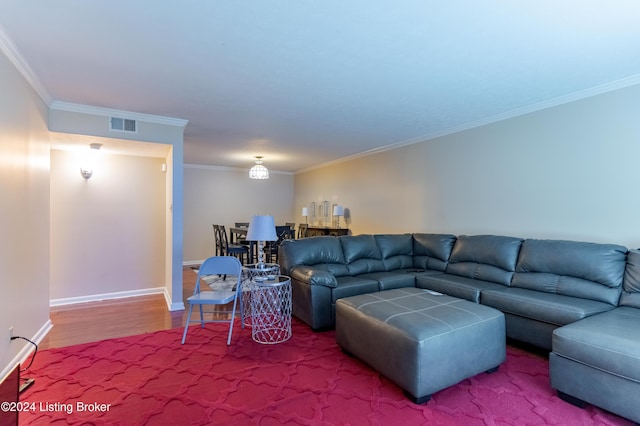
x: 326, y: 230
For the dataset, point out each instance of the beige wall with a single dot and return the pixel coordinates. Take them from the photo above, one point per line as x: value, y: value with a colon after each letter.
x: 225, y: 196
x: 94, y: 121
x: 24, y: 215
x: 568, y: 172
x: 107, y: 232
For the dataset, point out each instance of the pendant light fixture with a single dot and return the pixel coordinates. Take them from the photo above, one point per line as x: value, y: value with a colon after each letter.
x: 258, y: 171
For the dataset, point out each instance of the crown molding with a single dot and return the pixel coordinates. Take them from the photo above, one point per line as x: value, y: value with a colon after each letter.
x: 560, y: 100
x: 10, y: 50
x: 108, y: 112
x: 230, y: 169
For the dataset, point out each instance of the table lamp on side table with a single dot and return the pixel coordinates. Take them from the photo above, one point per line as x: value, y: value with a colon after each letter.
x: 261, y: 229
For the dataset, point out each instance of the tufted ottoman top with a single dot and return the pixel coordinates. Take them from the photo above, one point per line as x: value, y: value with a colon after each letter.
x: 421, y: 340
x: 421, y: 314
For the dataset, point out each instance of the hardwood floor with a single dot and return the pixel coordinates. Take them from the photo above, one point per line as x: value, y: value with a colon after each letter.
x: 90, y: 322
x: 93, y: 321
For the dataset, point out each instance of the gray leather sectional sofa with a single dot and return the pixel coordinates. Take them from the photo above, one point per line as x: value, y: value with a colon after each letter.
x: 581, y: 300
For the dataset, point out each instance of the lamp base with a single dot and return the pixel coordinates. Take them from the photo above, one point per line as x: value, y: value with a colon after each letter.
x: 260, y: 263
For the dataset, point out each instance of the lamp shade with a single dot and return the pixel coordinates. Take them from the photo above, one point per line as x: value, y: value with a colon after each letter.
x: 259, y: 172
x: 262, y: 228
x: 338, y: 210
x: 305, y: 211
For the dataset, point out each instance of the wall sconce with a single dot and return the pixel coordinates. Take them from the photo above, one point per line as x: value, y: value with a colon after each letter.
x: 88, y: 162
x: 337, y: 212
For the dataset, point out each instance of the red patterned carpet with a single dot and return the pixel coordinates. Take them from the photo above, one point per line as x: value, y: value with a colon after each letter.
x: 153, y: 380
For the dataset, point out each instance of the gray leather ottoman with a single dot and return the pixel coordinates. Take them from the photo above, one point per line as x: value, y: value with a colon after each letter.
x: 422, y: 342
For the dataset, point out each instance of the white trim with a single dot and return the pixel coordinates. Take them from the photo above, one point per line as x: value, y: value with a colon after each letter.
x: 557, y: 101
x: 192, y: 262
x: 231, y: 169
x: 108, y: 112
x: 106, y: 296
x: 24, y: 353
x: 10, y: 50
x: 177, y: 306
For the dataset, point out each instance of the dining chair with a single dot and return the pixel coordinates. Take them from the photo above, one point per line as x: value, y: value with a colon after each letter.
x: 218, y: 295
x: 302, y: 230
x: 217, y: 241
x: 238, y: 250
x: 243, y: 225
x: 271, y: 250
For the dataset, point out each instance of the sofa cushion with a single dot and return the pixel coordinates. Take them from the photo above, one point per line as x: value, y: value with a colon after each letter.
x: 631, y: 287
x: 546, y: 307
x: 571, y: 268
x: 454, y: 285
x: 608, y: 342
x: 485, y: 257
x: 396, y: 250
x: 388, y: 280
x: 325, y: 252
x: 432, y: 251
x: 353, y: 286
x: 361, y: 254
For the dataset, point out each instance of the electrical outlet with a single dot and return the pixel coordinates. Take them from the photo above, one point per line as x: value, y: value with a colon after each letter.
x: 10, y: 333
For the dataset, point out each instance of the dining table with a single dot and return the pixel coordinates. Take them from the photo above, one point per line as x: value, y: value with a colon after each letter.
x: 237, y: 235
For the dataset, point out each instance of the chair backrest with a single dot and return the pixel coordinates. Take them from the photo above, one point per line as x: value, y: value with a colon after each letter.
x: 284, y: 232
x: 219, y: 265
x: 302, y: 230
x: 291, y: 225
x: 216, y: 238
x: 222, y: 234
x: 242, y: 224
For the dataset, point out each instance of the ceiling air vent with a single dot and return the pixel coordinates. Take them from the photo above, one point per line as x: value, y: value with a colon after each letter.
x: 122, y: 125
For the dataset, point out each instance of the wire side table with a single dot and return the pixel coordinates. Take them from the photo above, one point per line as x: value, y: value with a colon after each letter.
x: 271, y: 310
x: 249, y: 273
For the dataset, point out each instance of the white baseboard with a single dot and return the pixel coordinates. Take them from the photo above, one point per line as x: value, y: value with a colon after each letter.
x: 177, y: 306
x: 193, y: 262
x: 171, y: 306
x: 26, y: 350
x: 106, y: 296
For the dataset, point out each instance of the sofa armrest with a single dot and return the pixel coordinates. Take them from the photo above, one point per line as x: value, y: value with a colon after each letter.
x: 313, y: 276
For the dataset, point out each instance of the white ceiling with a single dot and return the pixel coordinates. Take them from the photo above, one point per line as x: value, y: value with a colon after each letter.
x: 305, y: 82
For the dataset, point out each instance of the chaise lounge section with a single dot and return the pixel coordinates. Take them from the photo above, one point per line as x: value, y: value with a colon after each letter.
x: 597, y: 360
